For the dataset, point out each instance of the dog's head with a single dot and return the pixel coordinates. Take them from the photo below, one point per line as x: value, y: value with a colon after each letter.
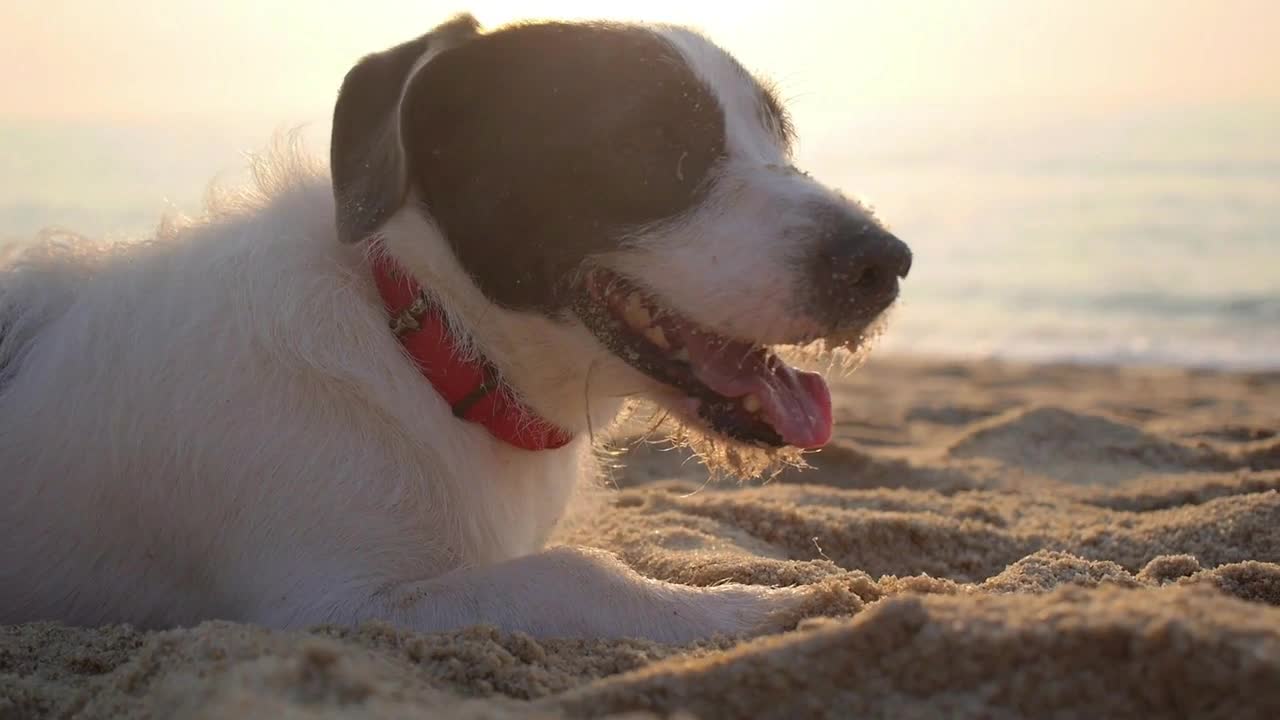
x: 612, y: 210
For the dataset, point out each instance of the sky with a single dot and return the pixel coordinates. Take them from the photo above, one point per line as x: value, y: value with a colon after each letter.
x: 256, y: 61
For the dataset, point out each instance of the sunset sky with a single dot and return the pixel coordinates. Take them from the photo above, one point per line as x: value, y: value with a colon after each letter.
x: 280, y: 62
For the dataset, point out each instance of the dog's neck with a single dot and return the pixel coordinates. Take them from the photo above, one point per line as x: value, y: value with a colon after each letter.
x: 472, y: 387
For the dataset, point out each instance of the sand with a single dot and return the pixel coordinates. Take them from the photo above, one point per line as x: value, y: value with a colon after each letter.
x: 986, y: 540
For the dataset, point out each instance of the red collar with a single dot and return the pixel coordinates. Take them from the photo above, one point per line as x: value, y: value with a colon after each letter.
x: 471, y: 387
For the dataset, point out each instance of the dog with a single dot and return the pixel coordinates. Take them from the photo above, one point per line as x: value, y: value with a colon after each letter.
x: 371, y: 391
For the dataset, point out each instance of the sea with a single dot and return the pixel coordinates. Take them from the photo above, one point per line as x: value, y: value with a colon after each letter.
x: 1127, y: 236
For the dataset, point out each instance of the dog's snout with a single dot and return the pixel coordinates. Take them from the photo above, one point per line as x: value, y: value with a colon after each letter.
x: 857, y: 272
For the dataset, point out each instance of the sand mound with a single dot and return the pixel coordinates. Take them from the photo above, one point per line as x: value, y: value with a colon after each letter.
x: 1107, y: 653
x: 1078, y: 447
x: 981, y: 541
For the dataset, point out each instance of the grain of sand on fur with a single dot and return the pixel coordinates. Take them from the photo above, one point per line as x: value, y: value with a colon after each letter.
x: 986, y: 540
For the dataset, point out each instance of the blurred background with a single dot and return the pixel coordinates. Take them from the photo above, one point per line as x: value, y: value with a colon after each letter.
x: 1082, y: 180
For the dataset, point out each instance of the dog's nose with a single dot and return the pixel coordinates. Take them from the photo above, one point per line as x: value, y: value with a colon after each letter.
x: 857, y: 272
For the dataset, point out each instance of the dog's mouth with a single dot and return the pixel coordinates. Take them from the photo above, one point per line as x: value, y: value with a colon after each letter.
x: 736, y: 388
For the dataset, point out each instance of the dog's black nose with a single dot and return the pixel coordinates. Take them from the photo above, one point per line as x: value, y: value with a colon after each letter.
x: 857, y: 270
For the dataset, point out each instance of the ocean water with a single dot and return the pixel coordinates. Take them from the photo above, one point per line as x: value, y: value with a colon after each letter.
x: 1128, y: 238
x: 1149, y: 238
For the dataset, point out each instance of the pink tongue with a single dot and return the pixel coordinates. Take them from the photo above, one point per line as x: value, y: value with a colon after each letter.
x: 796, y: 404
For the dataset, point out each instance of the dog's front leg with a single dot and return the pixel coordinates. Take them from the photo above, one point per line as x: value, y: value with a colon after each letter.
x: 574, y: 592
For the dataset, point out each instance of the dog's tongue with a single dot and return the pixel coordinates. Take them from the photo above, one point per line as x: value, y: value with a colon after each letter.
x: 796, y: 404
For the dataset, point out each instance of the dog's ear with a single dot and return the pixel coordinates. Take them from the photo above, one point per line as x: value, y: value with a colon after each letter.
x: 366, y: 153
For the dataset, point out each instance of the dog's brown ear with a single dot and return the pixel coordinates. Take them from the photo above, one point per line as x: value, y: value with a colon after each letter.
x: 366, y: 153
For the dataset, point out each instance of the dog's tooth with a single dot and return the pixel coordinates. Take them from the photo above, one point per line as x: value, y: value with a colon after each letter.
x: 682, y: 355
x: 657, y: 337
x: 751, y: 403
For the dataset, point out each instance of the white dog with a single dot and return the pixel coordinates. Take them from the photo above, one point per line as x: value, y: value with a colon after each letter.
x: 371, y: 393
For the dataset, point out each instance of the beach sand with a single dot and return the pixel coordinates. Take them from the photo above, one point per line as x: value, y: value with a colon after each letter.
x: 985, y: 540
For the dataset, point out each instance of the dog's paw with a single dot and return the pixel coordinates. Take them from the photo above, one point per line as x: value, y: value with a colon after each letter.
x: 616, y: 602
x: 629, y: 605
x: 742, y: 611
x: 746, y: 611
x: 755, y: 610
